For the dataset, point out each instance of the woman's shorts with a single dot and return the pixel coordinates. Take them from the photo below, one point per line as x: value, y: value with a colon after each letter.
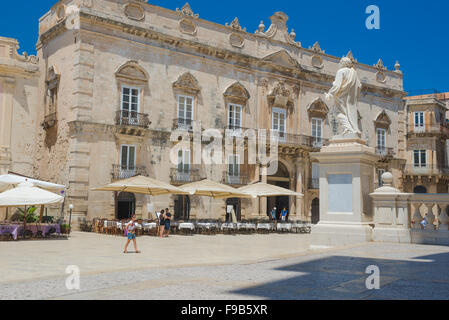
x: 131, y: 236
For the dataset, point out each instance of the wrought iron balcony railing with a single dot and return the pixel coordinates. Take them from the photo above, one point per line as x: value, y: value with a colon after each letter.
x: 185, y: 176
x: 183, y: 124
x: 384, y: 151
x: 314, y: 183
x: 120, y: 172
x: 132, y: 118
x: 235, y: 180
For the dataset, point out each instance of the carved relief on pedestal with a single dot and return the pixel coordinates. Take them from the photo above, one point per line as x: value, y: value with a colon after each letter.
x: 380, y: 76
x: 317, y: 60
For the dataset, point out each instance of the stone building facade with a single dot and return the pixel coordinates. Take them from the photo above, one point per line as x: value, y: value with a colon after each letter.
x: 427, y: 169
x: 117, y: 77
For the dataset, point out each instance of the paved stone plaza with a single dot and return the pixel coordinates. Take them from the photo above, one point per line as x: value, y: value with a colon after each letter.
x: 273, y: 266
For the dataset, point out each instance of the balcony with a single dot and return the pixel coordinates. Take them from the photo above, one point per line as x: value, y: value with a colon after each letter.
x: 183, y: 124
x: 314, y: 183
x: 131, y: 122
x: 120, y: 172
x: 385, y: 152
x: 49, y: 121
x: 426, y: 169
x: 302, y: 140
x: 234, y: 180
x: 181, y: 177
x: 426, y: 130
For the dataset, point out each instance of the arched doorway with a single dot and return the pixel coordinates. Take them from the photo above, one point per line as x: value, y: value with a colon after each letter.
x: 236, y: 204
x: 182, y: 208
x: 281, y: 179
x: 126, y: 205
x: 315, y: 211
x: 420, y: 189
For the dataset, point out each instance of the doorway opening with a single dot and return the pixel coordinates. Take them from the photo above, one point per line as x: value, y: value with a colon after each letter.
x: 315, y: 211
x: 236, y: 204
x: 126, y: 205
x: 182, y: 208
x: 280, y: 179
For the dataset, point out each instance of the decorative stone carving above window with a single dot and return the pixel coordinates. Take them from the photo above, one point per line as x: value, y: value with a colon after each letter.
x: 132, y: 71
x: 134, y: 11
x: 186, y: 11
x: 380, y: 65
x: 278, y: 30
x: 318, y: 109
x: 280, y: 97
x: 237, y: 93
x: 382, y: 120
x: 236, y: 40
x: 380, y: 77
x: 235, y: 24
x: 317, y: 61
x: 187, y: 83
x: 282, y: 58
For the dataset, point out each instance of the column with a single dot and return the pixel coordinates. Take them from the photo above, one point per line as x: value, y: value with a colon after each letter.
x: 7, y: 86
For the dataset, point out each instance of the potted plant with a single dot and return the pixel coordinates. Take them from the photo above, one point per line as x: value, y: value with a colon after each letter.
x: 65, y: 229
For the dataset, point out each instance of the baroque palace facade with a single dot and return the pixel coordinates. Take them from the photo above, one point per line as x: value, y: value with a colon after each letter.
x: 113, y: 79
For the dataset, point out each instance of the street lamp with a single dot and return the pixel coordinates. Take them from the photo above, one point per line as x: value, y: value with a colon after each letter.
x: 70, y: 216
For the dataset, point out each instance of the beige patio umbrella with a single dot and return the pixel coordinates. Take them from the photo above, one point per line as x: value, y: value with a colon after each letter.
x: 142, y: 185
x: 262, y: 189
x: 213, y: 189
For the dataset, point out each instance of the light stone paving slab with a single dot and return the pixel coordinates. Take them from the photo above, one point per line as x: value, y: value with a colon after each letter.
x: 258, y: 267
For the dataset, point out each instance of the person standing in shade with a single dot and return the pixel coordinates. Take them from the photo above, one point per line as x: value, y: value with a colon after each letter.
x: 284, y: 214
x: 273, y: 213
x: 167, y: 222
x: 131, y: 232
x: 161, y: 223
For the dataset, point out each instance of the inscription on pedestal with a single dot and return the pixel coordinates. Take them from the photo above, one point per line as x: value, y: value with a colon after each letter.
x: 340, y: 193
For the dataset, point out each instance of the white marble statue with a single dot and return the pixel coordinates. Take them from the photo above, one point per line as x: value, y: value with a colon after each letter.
x: 346, y: 91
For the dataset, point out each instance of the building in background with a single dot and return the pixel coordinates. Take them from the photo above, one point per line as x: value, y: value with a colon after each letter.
x: 116, y: 78
x: 427, y: 168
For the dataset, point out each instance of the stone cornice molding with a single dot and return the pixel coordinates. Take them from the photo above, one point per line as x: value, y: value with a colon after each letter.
x: 204, y: 49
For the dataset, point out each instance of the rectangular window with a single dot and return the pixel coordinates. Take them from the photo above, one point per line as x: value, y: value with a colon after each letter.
x: 419, y: 121
x: 279, y: 122
x: 419, y: 158
x: 317, y: 132
x: 234, y: 116
x: 128, y: 158
x: 130, y: 105
x: 184, y: 161
x: 185, y: 110
x: 381, y: 137
x: 234, y: 165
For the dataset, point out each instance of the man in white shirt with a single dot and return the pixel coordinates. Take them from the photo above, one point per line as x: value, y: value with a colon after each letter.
x: 131, y: 231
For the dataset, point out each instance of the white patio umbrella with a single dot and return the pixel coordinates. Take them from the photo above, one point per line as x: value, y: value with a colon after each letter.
x: 142, y: 185
x: 262, y: 189
x: 213, y: 189
x: 26, y: 194
x: 9, y: 181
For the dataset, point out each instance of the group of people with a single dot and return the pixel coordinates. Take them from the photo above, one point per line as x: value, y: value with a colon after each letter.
x: 164, y: 217
x: 284, y: 214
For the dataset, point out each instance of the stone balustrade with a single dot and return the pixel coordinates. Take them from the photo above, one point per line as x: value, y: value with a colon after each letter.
x: 399, y: 217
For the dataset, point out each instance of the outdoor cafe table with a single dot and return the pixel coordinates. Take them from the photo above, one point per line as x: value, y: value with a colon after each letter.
x: 12, y: 229
x: 149, y: 225
x: 186, y: 225
x: 284, y: 226
x: 246, y: 226
x: 264, y: 226
x: 228, y: 225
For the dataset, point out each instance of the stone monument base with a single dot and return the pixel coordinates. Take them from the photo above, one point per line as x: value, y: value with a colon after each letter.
x: 395, y: 235
x: 340, y: 234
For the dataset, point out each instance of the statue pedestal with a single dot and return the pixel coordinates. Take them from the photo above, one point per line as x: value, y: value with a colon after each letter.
x: 346, y: 180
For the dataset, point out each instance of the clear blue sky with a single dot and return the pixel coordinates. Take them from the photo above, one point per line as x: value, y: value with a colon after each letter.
x: 414, y: 32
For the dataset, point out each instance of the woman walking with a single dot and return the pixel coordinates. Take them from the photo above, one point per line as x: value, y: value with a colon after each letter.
x: 161, y: 223
x: 131, y: 231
